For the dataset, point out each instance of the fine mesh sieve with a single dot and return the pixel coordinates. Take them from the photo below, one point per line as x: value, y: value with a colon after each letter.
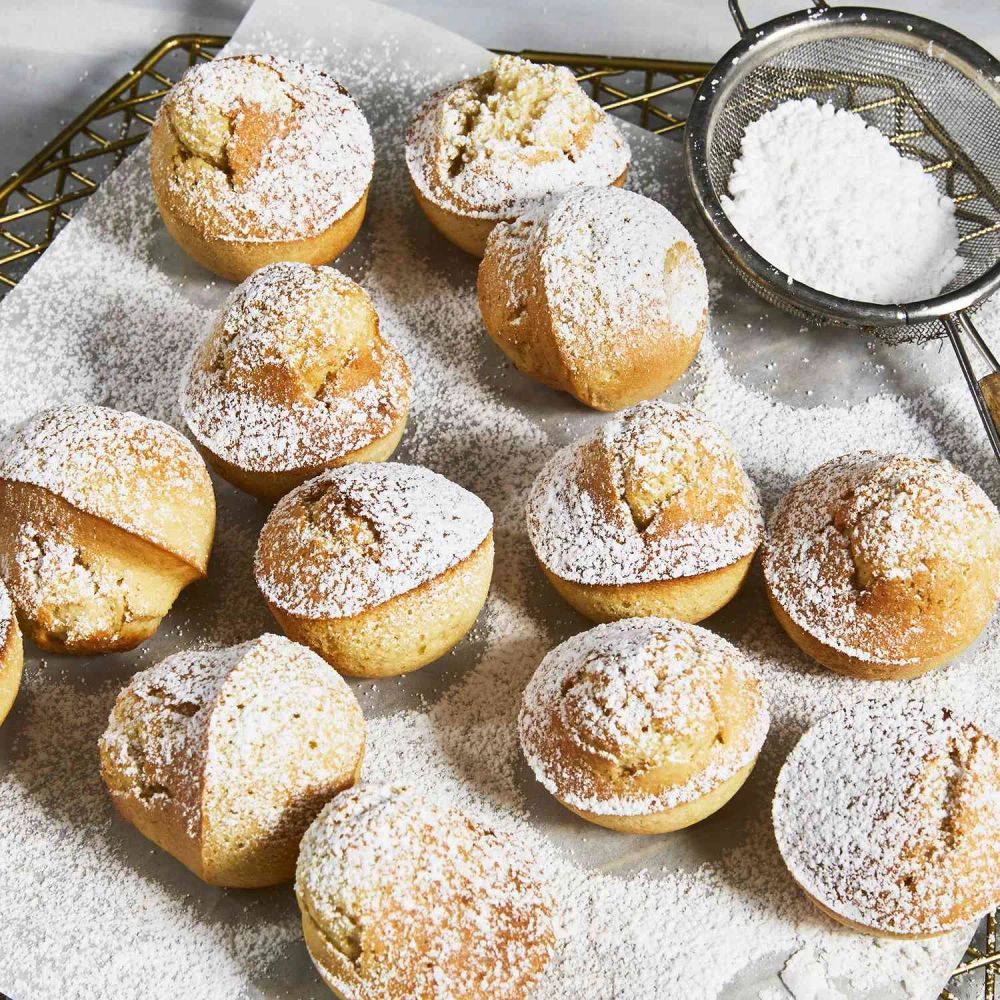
x: 934, y: 93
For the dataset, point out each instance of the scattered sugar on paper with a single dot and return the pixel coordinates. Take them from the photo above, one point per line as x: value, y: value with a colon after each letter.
x: 635, y: 921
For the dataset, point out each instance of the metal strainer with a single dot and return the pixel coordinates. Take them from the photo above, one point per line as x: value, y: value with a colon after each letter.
x: 934, y: 93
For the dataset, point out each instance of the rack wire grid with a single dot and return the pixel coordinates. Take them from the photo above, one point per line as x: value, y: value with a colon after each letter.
x: 40, y: 198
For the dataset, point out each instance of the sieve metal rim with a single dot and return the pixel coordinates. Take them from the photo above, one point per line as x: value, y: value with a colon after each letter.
x: 754, y: 47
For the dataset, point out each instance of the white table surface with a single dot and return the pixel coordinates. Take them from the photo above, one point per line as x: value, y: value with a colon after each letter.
x: 57, y: 55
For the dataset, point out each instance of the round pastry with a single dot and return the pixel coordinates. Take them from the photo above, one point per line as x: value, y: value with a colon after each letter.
x: 256, y: 159
x: 104, y: 518
x: 380, y: 569
x: 652, y: 515
x: 405, y: 900
x: 293, y: 379
x: 11, y: 654
x: 888, y: 816
x: 643, y: 725
x: 224, y: 757
x: 598, y: 292
x: 883, y: 567
x: 481, y: 150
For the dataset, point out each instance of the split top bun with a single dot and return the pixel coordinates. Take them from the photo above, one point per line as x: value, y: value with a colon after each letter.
x: 598, y: 292
x: 223, y: 757
x: 104, y: 517
x: 654, y: 494
x: 888, y: 815
x: 254, y: 149
x: 884, y: 566
x: 487, y: 146
x: 404, y: 899
x: 293, y: 378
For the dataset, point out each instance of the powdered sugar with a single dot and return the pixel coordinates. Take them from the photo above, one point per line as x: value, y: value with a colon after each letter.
x: 470, y: 150
x: 653, y: 515
x: 118, y: 466
x: 888, y: 813
x: 246, y: 394
x: 639, y: 695
x: 316, y: 161
x: 831, y: 202
x: 6, y: 615
x: 357, y: 536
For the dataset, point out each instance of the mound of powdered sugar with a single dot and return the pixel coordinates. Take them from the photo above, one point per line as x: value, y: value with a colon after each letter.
x: 828, y: 200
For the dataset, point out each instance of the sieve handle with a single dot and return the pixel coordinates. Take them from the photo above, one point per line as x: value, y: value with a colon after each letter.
x: 741, y: 22
x: 985, y: 391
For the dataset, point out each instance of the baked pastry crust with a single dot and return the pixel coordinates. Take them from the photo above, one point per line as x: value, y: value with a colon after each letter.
x: 651, y: 515
x: 887, y: 816
x: 483, y: 149
x: 223, y: 758
x: 597, y: 292
x: 883, y: 567
x: 381, y: 569
x: 405, y: 900
x: 256, y: 159
x: 643, y: 725
x: 105, y: 516
x: 11, y: 654
x: 294, y: 378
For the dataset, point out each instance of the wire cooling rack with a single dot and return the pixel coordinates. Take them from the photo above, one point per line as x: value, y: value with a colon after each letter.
x: 40, y: 198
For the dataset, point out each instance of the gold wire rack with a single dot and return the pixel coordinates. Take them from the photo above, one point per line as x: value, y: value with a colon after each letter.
x: 40, y: 198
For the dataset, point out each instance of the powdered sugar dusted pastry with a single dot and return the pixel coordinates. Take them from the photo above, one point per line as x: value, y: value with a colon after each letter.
x: 224, y: 757
x: 651, y: 515
x: 295, y: 378
x: 883, y: 566
x: 379, y: 568
x: 482, y: 150
x: 403, y: 899
x: 104, y: 518
x: 11, y: 654
x: 256, y: 159
x: 598, y: 292
x: 644, y: 725
x: 888, y: 816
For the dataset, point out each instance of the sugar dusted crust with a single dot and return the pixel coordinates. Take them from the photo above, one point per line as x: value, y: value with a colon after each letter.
x: 402, y: 898
x: 486, y: 146
x: 294, y: 374
x: 133, y: 472
x: 656, y: 493
x: 887, y: 560
x: 641, y: 716
x: 256, y: 148
x: 598, y: 292
x: 888, y: 815
x: 223, y: 757
x: 357, y: 536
